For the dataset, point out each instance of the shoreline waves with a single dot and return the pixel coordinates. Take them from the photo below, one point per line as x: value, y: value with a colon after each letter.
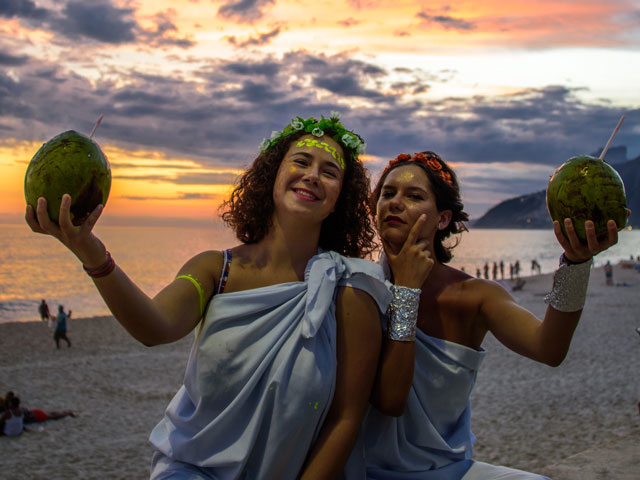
x: 525, y: 415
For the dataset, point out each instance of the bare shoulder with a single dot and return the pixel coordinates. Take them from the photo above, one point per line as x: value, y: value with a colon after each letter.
x: 357, y: 316
x: 483, y: 288
x: 205, y: 266
x: 351, y: 299
x: 472, y: 292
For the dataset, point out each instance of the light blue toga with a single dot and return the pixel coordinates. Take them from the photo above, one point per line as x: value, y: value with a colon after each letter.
x: 432, y: 440
x: 260, y: 377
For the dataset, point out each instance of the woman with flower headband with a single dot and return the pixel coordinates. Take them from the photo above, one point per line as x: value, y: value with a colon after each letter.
x: 285, y: 354
x: 419, y: 427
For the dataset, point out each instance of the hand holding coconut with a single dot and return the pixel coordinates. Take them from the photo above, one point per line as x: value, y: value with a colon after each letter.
x: 66, y: 186
x: 575, y: 250
x: 79, y: 239
x: 587, y: 195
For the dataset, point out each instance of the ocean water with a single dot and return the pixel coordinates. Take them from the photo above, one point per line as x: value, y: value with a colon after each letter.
x: 35, y: 267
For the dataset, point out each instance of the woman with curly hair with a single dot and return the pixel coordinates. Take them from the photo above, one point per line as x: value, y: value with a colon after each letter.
x: 286, y: 348
x: 419, y: 425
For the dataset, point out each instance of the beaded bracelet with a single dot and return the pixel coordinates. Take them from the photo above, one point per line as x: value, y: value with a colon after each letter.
x: 403, y: 313
x: 103, y: 270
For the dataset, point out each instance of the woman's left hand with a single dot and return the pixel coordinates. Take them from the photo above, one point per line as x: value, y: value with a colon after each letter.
x: 413, y: 264
x: 577, y: 252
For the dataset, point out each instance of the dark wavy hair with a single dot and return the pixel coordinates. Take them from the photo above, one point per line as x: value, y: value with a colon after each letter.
x: 347, y: 230
x: 447, y: 198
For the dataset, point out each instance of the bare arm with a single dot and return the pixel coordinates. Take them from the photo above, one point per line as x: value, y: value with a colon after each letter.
x: 172, y: 314
x: 394, y: 377
x: 358, y: 347
x: 410, y: 267
x: 545, y: 341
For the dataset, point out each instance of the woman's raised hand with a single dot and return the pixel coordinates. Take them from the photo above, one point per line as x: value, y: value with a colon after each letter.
x: 79, y: 239
x: 413, y: 263
x: 576, y: 251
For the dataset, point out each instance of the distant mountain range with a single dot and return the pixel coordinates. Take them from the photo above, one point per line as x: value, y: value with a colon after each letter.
x: 530, y: 211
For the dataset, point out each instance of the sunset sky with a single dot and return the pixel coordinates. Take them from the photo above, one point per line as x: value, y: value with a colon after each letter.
x: 505, y: 91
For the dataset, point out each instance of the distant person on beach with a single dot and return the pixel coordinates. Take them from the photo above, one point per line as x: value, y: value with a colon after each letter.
x: 501, y: 270
x: 419, y: 426
x: 608, y: 273
x: 4, y: 401
x: 12, y: 420
x: 60, y: 333
x: 535, y: 267
x: 288, y: 333
x: 27, y: 415
x: 43, y: 309
x: 35, y: 415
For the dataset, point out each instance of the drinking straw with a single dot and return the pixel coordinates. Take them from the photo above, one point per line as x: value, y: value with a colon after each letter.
x: 97, y: 125
x: 606, y: 147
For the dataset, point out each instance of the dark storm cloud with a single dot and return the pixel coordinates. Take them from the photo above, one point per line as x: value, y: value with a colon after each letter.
x: 267, y: 68
x: 12, y: 60
x: 339, y: 74
x: 22, y: 9
x: 261, y: 39
x: 97, y: 21
x: 510, y: 186
x: 141, y: 97
x: 446, y: 21
x: 345, y: 85
x: 243, y: 11
x: 50, y: 74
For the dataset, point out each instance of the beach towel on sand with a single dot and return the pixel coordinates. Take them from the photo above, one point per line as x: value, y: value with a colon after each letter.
x: 261, y: 376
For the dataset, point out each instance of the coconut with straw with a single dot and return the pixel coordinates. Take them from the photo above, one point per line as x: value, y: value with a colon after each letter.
x: 69, y: 163
x: 588, y: 188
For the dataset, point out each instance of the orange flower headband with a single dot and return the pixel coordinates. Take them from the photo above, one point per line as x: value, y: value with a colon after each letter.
x: 429, y: 160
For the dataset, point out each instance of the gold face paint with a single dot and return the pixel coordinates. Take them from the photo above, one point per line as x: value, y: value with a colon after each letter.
x: 312, y: 142
x: 407, y: 175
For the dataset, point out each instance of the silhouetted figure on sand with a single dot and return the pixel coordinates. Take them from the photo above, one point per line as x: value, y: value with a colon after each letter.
x: 60, y: 332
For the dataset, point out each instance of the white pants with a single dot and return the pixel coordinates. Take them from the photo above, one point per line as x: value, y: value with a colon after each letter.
x: 484, y: 471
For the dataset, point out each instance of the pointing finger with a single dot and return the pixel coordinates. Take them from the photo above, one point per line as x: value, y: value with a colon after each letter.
x: 415, y: 230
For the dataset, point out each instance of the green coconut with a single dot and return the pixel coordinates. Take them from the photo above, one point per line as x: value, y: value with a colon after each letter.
x: 587, y: 188
x: 69, y: 163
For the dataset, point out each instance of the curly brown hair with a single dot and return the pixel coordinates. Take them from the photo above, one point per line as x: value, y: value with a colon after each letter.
x: 347, y: 230
x: 444, y: 184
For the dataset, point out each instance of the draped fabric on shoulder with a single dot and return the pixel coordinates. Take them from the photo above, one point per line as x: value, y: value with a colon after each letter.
x: 261, y: 374
x: 432, y: 440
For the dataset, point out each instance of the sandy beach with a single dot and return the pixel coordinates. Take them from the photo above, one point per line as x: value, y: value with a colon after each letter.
x: 525, y: 415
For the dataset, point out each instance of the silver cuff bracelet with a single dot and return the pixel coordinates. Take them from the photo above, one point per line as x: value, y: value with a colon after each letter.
x: 403, y: 313
x: 570, y: 284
